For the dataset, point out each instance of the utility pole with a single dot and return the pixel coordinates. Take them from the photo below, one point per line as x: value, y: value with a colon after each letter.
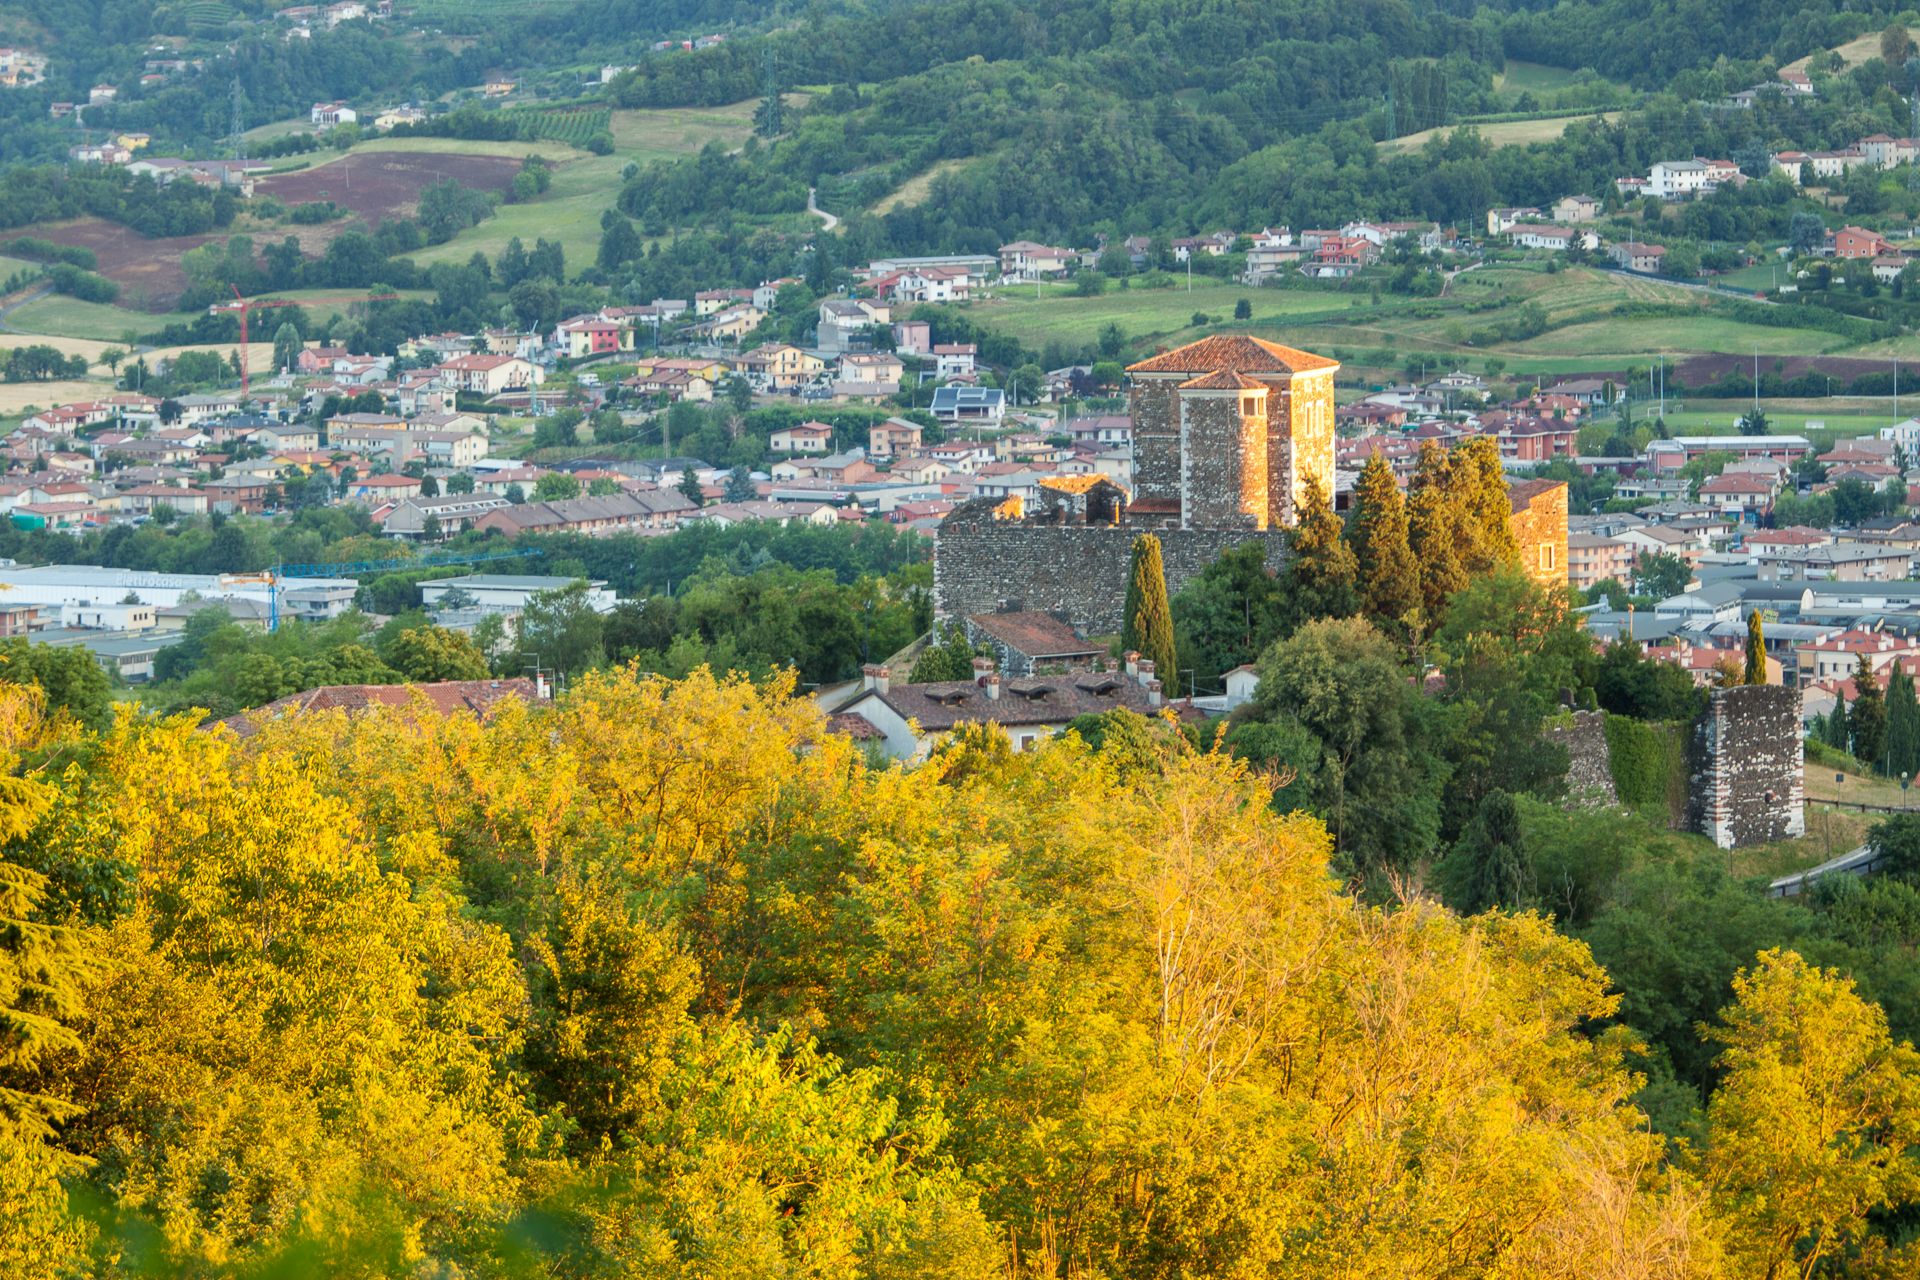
x: 1756, y: 378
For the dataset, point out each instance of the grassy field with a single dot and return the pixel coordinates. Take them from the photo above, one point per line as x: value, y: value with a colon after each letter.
x: 1166, y: 314
x: 584, y: 186
x: 62, y: 317
x: 1532, y: 77
x: 20, y: 397
x: 1854, y: 52
x: 1507, y: 133
x: 1637, y: 338
x: 915, y: 190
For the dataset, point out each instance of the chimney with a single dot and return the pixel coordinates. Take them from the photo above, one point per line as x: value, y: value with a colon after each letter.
x: 1132, y: 660
x: 876, y: 677
x: 1144, y: 670
x: 541, y: 689
x: 1153, y: 692
x: 982, y: 667
x: 993, y: 687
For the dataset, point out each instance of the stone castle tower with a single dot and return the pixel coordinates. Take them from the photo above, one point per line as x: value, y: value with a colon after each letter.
x: 1227, y: 431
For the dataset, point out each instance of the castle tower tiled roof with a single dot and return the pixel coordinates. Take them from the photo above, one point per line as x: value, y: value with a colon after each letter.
x: 1222, y: 380
x: 1233, y: 354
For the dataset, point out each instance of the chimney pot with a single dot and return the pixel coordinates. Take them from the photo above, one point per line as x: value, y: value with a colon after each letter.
x: 876, y: 677
x: 1146, y: 669
x: 983, y: 667
x: 1153, y: 693
x: 993, y: 687
x: 1132, y: 659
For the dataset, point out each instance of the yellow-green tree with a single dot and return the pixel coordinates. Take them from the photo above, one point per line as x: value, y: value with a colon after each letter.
x: 1815, y: 1125
x: 1322, y: 576
x: 1480, y: 485
x: 1756, y: 666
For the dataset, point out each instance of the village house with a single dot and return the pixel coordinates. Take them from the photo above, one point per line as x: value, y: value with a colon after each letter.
x: 585, y: 336
x: 1635, y: 256
x: 733, y: 324
x: 1858, y: 242
x: 489, y: 375
x: 1025, y: 260
x: 1576, y: 208
x: 846, y: 322
x: 614, y: 513
x: 779, y: 367
x: 955, y: 360
x: 892, y: 437
x: 325, y: 115
x: 906, y: 721
x: 1553, y: 239
x: 806, y: 438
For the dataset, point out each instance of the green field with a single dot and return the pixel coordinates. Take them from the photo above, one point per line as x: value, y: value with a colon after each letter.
x: 57, y: 316
x: 584, y: 186
x: 1057, y: 314
x: 1532, y: 77
x: 1638, y: 338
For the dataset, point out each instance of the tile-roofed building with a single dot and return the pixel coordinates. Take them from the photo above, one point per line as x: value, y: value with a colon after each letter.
x: 1024, y: 642
x: 913, y: 718
x: 448, y: 697
x: 1230, y: 431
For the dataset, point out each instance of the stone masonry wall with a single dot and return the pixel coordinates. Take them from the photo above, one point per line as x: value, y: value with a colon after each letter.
x: 1223, y: 463
x: 1541, y: 532
x: 1746, y: 767
x: 983, y: 565
x: 1154, y: 406
x: 1589, y: 762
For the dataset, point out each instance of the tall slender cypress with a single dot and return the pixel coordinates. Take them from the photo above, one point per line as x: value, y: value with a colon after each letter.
x: 1149, y: 622
x: 1377, y: 531
x: 1756, y: 672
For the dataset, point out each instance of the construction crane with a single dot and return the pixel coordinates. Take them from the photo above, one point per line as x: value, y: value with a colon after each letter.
x: 247, y: 306
x: 361, y: 568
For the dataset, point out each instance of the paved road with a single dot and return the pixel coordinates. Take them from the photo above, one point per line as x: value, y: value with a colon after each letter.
x: 827, y: 221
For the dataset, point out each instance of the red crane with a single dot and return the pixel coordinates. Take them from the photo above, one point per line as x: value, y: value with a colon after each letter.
x: 246, y: 306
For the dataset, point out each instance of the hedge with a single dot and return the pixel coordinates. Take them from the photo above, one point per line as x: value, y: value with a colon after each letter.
x: 1649, y: 762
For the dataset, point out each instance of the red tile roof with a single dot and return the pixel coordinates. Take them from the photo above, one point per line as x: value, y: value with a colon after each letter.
x: 1235, y: 355
x: 479, y: 697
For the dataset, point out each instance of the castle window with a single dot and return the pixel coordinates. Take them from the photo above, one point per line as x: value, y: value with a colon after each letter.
x: 1548, y: 560
x: 1250, y: 405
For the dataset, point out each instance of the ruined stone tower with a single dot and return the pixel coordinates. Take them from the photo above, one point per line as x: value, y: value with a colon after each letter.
x: 1228, y: 430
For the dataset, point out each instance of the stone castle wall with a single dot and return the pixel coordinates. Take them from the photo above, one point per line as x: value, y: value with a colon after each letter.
x: 1589, y: 760
x: 1746, y: 767
x: 983, y: 565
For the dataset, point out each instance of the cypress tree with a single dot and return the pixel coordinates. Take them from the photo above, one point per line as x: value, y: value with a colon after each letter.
x: 1867, y: 722
x: 1903, y: 725
x: 1149, y: 620
x: 1836, y: 732
x: 1389, y: 575
x: 1434, y: 530
x: 1322, y: 574
x: 1480, y: 487
x: 1756, y: 672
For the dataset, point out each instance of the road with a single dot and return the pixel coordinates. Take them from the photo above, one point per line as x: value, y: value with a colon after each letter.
x: 827, y: 221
